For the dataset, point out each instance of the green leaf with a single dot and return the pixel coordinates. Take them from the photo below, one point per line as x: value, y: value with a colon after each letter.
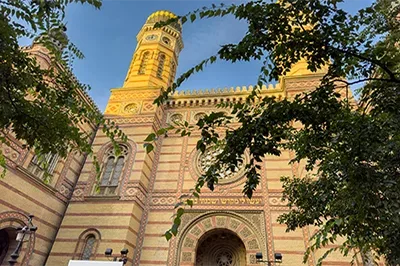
x: 189, y: 202
x: 180, y: 212
x: 161, y: 131
x: 149, y: 148
x: 167, y: 235
x: 151, y: 137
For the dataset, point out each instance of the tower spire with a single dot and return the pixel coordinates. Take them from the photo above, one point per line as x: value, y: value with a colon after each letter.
x: 155, y: 60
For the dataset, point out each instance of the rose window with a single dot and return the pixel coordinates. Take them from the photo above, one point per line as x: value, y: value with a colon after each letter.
x: 176, y: 118
x: 225, y: 258
x: 208, y: 158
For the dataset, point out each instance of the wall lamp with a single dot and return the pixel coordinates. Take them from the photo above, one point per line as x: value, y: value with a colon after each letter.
x: 123, y: 258
x: 277, y: 256
x: 23, y: 234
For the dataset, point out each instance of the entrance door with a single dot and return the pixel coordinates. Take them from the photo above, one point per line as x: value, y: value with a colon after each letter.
x: 220, y: 247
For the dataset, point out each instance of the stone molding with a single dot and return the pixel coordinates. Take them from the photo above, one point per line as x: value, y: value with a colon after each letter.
x: 248, y: 226
x: 13, y: 219
x: 125, y: 174
x: 81, y: 243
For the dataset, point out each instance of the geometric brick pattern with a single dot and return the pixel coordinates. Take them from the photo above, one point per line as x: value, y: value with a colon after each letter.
x: 13, y: 219
x: 238, y: 225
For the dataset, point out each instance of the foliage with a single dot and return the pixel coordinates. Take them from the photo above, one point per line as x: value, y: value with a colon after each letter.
x: 351, y: 151
x: 44, y: 108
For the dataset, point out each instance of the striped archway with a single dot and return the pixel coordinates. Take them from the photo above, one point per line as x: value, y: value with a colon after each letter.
x: 188, y: 239
x: 12, y: 220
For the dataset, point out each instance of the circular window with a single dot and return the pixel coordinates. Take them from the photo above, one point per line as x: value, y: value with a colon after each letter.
x: 176, y: 118
x: 203, y: 161
x: 151, y: 37
x: 132, y: 108
x: 166, y: 40
x: 225, y: 258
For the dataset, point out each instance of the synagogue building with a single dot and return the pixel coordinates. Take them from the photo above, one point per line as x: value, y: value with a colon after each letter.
x: 135, y: 196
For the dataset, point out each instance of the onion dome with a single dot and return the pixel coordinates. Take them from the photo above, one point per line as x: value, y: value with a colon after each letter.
x: 164, y: 15
x: 57, y: 36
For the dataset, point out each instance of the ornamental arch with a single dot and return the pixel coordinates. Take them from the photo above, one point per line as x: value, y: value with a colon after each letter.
x: 233, y: 225
x: 82, y: 244
x: 101, y: 155
x: 220, y: 247
x: 9, y: 222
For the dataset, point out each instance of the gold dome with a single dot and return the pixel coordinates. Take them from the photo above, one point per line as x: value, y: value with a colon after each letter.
x: 164, y: 15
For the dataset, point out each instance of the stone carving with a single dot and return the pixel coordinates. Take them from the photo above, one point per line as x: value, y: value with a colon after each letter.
x: 186, y: 218
x: 187, y: 256
x: 221, y: 221
x: 245, y: 232
x: 256, y: 220
x: 196, y: 231
x: 207, y: 224
x: 252, y: 244
x: 207, y: 230
x: 199, y: 116
x: 253, y: 259
x: 234, y: 224
x: 206, y: 159
x: 176, y: 118
x: 189, y: 242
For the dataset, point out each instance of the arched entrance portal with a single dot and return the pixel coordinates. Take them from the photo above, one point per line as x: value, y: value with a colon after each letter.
x: 220, y: 247
x: 9, y: 222
x: 7, y: 244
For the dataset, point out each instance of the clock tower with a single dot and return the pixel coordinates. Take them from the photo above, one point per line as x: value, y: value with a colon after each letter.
x: 155, y: 59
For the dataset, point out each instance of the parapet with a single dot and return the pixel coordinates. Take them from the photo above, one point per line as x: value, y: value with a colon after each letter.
x: 203, y: 97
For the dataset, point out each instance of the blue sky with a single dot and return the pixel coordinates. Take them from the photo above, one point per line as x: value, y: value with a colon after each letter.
x: 107, y: 37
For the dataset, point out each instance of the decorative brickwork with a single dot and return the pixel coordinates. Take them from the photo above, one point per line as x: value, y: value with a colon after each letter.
x: 14, y: 219
x: 153, y: 183
x: 210, y: 221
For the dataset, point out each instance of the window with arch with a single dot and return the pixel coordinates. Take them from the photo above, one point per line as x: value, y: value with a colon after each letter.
x: 88, y: 243
x: 143, y: 63
x: 172, y: 73
x: 161, y: 62
x: 87, y: 251
x: 112, y: 170
x: 42, y: 163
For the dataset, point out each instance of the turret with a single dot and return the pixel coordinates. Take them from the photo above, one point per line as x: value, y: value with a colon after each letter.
x: 155, y: 60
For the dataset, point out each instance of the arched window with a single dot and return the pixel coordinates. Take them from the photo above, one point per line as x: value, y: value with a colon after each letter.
x: 112, y: 171
x: 160, y: 69
x: 172, y: 73
x: 143, y: 64
x: 41, y: 163
x: 88, y: 243
x: 88, y: 248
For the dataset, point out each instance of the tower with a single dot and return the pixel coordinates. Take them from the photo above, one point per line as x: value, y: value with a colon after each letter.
x: 156, y: 56
x: 116, y: 213
x: 138, y: 191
